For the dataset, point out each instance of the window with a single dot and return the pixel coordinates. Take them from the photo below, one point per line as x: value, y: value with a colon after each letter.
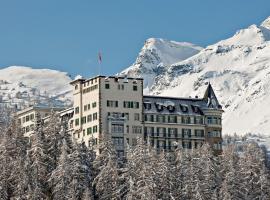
x: 131, y: 104
x: 198, y: 120
x: 120, y: 87
x: 76, y: 87
x: 127, y: 128
x: 113, y: 104
x: 117, y: 128
x: 135, y: 87
x: 89, y: 130
x: 83, y: 132
x: 214, y: 134
x: 126, y: 116
x: 77, y: 110
x: 137, y: 116
x: 107, y: 86
x: 83, y: 120
x: 27, y: 118
x: 172, y: 132
x: 27, y: 129
x: 95, y: 129
x: 172, y: 119
x: 186, y: 133
x: 23, y: 119
x: 89, y: 118
x: 185, y: 120
x: 136, y: 129
x: 199, y: 133
x: 85, y: 107
x: 88, y: 106
x: 118, y: 141
x: 77, y: 122
x: 95, y: 116
x: 32, y: 116
x: 213, y: 120
x: 94, y: 104
x: 147, y: 105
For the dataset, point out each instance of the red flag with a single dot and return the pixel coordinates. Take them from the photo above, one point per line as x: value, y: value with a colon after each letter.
x: 99, y: 57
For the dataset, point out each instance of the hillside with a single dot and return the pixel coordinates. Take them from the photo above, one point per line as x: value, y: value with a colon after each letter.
x: 24, y: 86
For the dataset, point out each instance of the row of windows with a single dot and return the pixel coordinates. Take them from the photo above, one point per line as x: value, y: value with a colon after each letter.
x: 117, y: 128
x: 172, y: 132
x: 173, y: 145
x: 90, y: 89
x: 173, y: 119
x: 121, y: 87
x: 86, y: 107
x: 118, y: 141
x: 87, y: 83
x: 86, y: 119
x: 28, y: 128
x: 89, y: 131
x: 213, y: 120
x: 26, y: 118
x: 131, y: 104
x: 118, y: 115
x: 214, y: 134
x: 113, y: 104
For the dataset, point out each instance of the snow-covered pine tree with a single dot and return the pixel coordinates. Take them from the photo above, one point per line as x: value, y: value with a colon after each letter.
x: 59, y: 180
x: 164, y: 176
x: 211, y: 178
x: 20, y: 173
x: 106, y: 182
x: 39, y: 163
x: 7, y: 162
x: 52, y: 130
x: 140, y: 172
x: 229, y: 172
x: 252, y: 173
x: 88, y: 194
x: 81, y: 172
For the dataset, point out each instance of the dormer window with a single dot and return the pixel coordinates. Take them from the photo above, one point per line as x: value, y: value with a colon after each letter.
x: 184, y: 108
x: 171, y: 108
x: 159, y: 107
x: 147, y: 105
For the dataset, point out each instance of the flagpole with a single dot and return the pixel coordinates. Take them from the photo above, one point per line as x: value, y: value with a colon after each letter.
x: 99, y: 61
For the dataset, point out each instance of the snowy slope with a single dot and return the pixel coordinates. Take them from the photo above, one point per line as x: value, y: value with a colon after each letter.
x: 239, y: 70
x: 156, y: 56
x: 24, y: 86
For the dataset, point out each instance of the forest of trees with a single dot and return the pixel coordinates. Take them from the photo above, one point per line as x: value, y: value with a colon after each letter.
x: 52, y: 166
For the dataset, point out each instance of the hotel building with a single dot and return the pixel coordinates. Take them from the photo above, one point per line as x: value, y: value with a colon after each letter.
x: 116, y: 106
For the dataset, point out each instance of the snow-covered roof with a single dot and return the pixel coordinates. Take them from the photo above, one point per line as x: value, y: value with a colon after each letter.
x: 169, y: 105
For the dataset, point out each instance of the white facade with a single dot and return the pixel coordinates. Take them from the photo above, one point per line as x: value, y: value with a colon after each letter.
x: 108, y: 105
x: 26, y: 118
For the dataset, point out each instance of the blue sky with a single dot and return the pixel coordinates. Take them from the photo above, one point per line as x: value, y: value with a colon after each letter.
x: 66, y: 34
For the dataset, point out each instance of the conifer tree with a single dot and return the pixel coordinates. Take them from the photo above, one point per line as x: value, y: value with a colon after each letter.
x: 39, y: 163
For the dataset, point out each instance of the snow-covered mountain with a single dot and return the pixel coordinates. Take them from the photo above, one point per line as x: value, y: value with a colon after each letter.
x: 24, y: 86
x: 239, y: 71
x: 156, y: 56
